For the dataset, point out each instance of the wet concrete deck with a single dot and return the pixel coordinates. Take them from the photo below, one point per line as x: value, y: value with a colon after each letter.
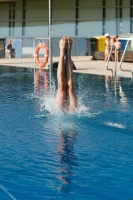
x: 82, y: 63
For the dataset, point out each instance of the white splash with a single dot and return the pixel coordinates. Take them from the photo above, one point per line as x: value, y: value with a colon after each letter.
x: 121, y: 126
x: 47, y: 102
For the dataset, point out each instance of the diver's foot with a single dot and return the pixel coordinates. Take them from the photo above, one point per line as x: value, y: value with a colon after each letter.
x: 69, y: 44
x: 63, y: 45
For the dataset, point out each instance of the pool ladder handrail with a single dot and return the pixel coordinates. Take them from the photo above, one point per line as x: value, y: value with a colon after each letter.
x: 107, y: 63
x: 122, y: 61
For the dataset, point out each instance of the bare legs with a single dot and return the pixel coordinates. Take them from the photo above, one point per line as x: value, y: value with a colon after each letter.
x: 106, y: 52
x: 69, y: 76
x: 113, y: 55
x: 61, y: 94
x: 65, y: 95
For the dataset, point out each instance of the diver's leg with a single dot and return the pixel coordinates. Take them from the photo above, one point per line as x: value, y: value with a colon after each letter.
x: 69, y: 77
x: 61, y: 94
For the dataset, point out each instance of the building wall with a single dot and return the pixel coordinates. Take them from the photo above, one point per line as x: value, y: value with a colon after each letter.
x: 83, y: 18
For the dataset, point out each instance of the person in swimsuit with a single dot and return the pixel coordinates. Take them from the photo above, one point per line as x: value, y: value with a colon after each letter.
x: 9, y: 49
x: 117, y: 45
x: 112, y: 45
x: 107, y: 46
x: 66, y: 98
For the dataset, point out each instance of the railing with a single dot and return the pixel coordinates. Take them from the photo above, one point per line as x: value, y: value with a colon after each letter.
x: 120, y: 65
x: 131, y: 38
x: 107, y: 63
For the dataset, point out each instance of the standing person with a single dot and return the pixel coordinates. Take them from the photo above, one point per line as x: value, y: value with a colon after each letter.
x: 112, y: 44
x: 9, y: 49
x: 107, y: 46
x: 117, y: 46
x: 66, y: 99
x: 13, y: 53
x: 112, y: 41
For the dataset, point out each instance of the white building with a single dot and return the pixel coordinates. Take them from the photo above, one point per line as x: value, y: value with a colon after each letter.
x: 74, y: 18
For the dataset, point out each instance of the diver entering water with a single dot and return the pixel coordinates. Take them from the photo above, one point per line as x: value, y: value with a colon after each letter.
x: 66, y: 98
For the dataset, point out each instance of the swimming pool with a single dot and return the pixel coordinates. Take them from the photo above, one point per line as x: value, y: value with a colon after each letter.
x: 45, y: 154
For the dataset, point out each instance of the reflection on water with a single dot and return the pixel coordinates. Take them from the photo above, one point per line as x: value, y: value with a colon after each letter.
x: 66, y: 132
x: 66, y: 157
x: 41, y: 87
x: 118, y: 90
x: 41, y: 79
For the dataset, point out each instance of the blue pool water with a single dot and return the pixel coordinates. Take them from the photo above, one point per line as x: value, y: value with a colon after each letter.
x: 45, y: 154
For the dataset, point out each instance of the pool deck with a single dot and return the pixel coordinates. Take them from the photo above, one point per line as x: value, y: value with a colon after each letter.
x: 83, y: 64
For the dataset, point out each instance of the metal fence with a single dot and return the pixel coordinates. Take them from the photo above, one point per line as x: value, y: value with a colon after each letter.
x: 24, y: 47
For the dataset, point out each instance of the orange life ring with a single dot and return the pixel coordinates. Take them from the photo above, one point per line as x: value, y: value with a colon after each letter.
x: 41, y: 64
